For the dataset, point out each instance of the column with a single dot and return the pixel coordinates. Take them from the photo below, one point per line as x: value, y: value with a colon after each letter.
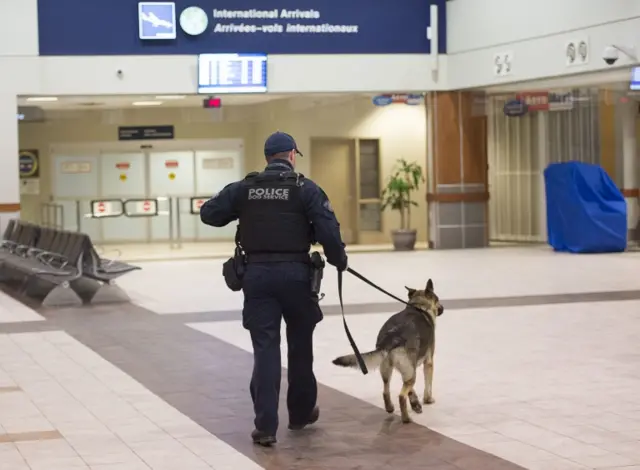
x: 458, y: 195
x: 630, y: 165
x: 607, y: 110
x: 543, y: 158
x: 9, y: 174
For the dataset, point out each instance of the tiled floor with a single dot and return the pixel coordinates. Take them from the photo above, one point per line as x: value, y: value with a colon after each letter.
x: 63, y: 406
x: 196, y: 285
x: 538, y: 366
x: 13, y: 311
x: 542, y: 386
x: 134, y: 252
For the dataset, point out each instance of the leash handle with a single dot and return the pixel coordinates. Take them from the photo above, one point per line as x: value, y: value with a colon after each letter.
x: 359, y: 359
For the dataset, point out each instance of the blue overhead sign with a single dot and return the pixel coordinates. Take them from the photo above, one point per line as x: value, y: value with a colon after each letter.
x: 128, y: 27
x: 157, y: 20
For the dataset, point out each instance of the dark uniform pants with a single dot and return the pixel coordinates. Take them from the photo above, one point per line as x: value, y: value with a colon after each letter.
x: 273, y: 291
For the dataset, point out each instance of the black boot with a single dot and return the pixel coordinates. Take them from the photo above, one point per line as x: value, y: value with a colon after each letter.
x: 262, y: 438
x: 315, y: 414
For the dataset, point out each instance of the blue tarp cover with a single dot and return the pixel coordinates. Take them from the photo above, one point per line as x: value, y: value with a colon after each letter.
x: 586, y: 212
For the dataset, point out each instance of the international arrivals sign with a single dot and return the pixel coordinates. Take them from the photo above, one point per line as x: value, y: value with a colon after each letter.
x: 128, y: 27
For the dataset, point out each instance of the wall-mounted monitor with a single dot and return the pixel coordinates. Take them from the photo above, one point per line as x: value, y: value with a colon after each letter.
x: 232, y: 73
x: 635, y: 79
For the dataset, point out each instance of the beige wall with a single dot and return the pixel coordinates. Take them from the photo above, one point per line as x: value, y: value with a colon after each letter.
x: 400, y: 128
x: 102, y: 126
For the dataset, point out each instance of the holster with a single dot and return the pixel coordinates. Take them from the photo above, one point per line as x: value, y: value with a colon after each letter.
x: 317, y: 272
x: 234, y: 268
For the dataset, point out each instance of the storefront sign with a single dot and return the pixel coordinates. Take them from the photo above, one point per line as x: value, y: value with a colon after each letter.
x: 535, y: 100
x: 403, y: 98
x: 145, y: 132
x: 560, y: 101
x: 546, y: 101
x: 190, y: 27
x: 515, y: 108
x: 29, y: 163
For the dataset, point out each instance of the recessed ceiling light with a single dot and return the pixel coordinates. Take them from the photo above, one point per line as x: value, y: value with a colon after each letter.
x: 147, y: 103
x: 171, y: 97
x: 42, y: 98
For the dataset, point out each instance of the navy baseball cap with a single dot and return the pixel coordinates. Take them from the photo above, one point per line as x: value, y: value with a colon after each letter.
x: 280, y: 142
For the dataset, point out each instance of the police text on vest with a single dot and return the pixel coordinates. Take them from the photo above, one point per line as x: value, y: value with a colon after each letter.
x: 281, y: 194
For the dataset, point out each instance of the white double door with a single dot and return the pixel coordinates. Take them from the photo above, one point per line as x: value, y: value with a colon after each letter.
x: 172, y: 177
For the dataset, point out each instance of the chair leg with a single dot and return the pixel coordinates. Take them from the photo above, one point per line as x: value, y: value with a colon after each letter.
x: 110, y: 293
x: 62, y: 296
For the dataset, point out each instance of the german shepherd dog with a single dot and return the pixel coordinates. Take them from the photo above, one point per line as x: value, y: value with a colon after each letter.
x: 405, y: 341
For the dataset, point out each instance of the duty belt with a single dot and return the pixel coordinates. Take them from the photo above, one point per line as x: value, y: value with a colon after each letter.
x: 277, y: 257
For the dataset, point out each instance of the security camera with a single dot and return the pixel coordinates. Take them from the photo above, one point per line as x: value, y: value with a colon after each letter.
x: 611, y: 55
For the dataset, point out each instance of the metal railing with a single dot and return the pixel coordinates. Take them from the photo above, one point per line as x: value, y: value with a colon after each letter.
x: 52, y: 215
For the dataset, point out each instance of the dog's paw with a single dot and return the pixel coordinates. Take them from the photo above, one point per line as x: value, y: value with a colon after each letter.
x: 406, y: 419
x: 414, y: 401
x: 429, y: 400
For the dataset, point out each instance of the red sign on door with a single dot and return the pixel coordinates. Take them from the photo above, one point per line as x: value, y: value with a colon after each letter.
x: 123, y: 165
x: 171, y: 164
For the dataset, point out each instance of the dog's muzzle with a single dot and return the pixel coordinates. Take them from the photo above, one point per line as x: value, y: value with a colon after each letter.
x: 440, y: 310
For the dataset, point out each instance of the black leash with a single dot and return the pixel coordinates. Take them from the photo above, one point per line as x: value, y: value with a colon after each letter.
x: 363, y: 366
x: 367, y: 281
x: 359, y: 358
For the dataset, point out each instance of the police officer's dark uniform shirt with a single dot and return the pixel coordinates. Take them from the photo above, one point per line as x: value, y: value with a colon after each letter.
x: 275, y: 214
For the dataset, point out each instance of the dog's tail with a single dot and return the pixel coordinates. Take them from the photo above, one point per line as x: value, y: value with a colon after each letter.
x: 372, y: 359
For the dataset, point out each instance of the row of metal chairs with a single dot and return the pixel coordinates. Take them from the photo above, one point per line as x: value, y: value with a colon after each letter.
x: 60, y: 266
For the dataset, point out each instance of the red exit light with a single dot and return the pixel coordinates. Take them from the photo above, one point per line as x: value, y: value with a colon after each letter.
x: 212, y: 103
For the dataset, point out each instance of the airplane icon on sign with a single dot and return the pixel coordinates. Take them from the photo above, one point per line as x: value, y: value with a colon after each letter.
x: 155, y: 21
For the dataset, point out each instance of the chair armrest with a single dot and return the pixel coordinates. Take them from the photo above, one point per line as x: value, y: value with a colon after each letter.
x: 9, y: 244
x: 35, y: 251
x: 48, y: 258
x: 24, y: 250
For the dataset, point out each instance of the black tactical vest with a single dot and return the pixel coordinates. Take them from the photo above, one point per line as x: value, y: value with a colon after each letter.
x: 272, y: 215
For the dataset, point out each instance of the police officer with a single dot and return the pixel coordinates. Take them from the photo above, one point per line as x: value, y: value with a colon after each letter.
x: 280, y: 212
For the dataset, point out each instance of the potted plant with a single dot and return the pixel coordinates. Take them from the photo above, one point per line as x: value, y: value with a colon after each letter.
x: 405, y: 179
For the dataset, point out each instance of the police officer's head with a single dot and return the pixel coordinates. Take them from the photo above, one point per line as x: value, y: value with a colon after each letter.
x: 281, y: 146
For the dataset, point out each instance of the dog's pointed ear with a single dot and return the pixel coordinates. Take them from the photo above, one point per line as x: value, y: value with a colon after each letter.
x: 429, y: 287
x: 410, y: 291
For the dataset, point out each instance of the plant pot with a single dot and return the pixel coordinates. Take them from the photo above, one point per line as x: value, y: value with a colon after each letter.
x: 404, y: 240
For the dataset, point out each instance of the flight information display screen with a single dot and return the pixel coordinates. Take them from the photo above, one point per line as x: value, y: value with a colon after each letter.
x: 232, y: 73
